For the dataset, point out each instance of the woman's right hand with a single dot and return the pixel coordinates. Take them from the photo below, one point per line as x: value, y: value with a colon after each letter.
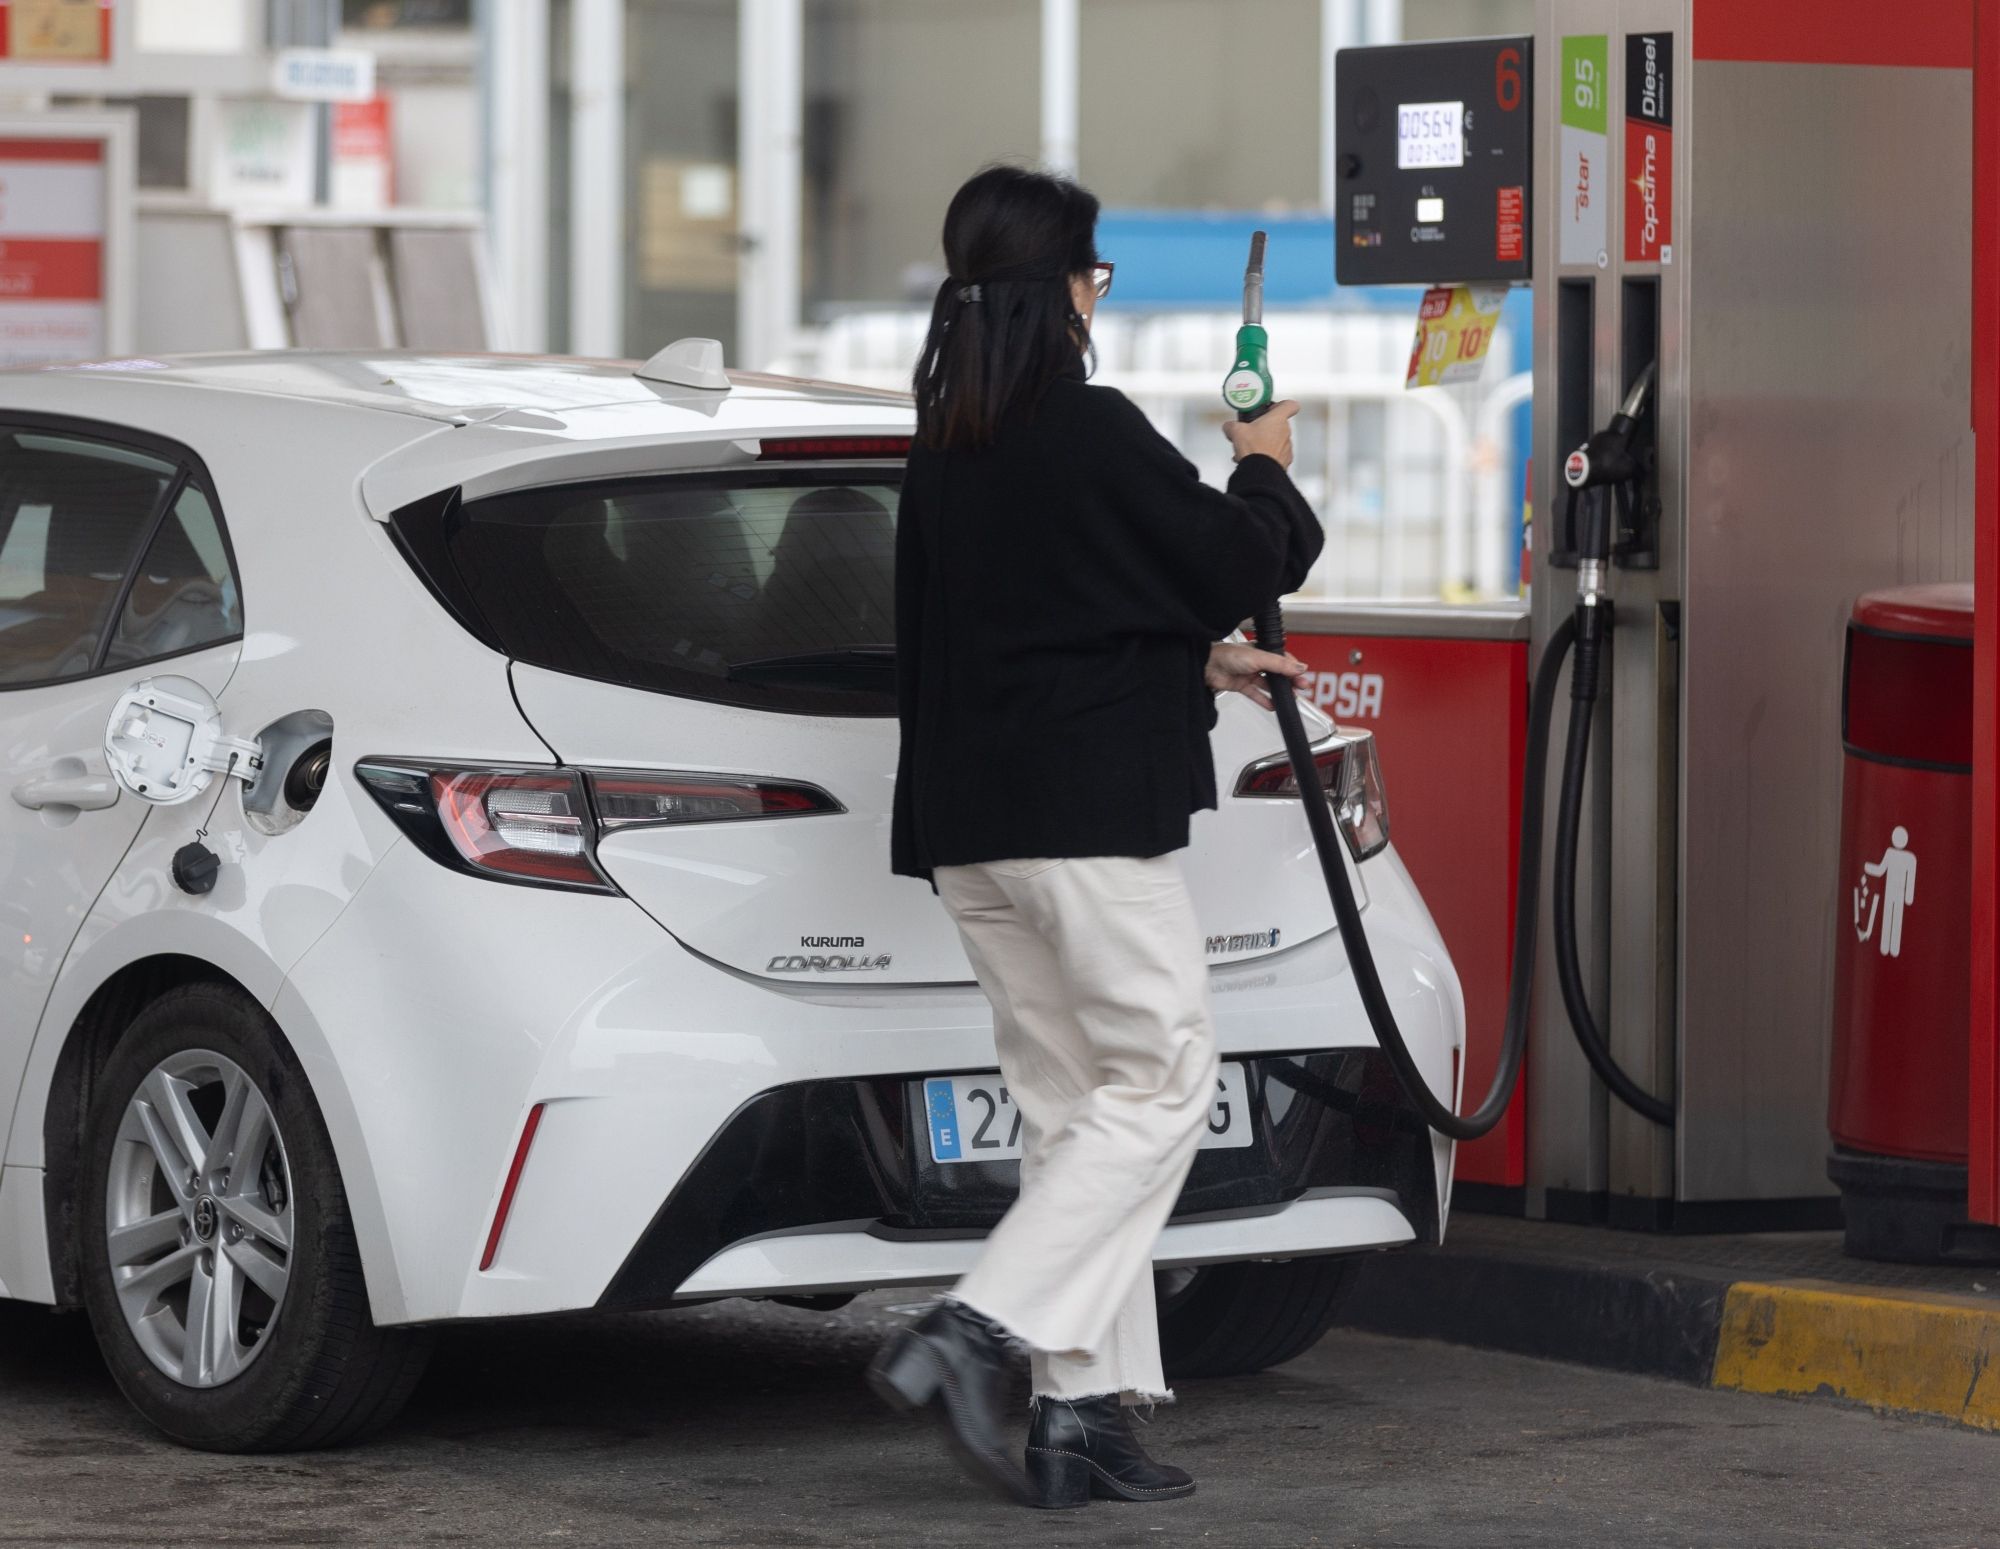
x: 1269, y: 435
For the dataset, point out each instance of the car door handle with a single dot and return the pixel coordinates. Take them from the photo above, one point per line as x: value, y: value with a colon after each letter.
x: 87, y: 792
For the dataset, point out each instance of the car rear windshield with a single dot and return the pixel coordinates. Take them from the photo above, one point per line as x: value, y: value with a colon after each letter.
x: 774, y: 590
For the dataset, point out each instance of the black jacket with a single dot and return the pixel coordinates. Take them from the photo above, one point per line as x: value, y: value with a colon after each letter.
x: 1056, y: 595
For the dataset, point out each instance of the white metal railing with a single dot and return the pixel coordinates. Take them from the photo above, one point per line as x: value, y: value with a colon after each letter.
x: 1434, y: 521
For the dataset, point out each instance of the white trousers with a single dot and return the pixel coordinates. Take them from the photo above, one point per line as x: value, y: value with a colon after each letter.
x: 1099, y: 986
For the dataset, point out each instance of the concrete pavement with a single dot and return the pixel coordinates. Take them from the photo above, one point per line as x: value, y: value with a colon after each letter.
x: 748, y: 1425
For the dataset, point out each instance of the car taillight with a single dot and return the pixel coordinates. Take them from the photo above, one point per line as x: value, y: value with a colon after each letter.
x: 521, y: 825
x: 541, y: 827
x: 650, y: 801
x: 1350, y: 775
x: 533, y: 826
x: 822, y: 448
x: 1275, y: 777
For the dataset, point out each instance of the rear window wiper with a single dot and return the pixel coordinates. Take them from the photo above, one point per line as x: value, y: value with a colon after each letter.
x: 832, y: 662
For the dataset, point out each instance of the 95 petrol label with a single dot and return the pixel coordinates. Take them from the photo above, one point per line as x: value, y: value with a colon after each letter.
x: 1243, y: 389
x: 1583, y: 189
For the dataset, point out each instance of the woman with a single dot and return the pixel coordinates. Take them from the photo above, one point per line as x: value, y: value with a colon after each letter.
x: 1062, y: 576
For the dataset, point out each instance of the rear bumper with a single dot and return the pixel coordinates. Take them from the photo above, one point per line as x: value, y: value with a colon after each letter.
x: 829, y: 1185
x: 428, y: 1044
x: 811, y: 1262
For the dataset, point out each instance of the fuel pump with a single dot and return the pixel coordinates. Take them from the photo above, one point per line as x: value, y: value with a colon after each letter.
x: 1602, y: 471
x: 1748, y: 363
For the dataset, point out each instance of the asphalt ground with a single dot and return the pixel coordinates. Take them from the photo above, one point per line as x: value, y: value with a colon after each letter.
x: 742, y: 1424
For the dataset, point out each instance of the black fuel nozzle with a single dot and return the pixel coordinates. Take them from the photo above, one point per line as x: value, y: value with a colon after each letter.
x: 1606, y: 462
x: 1604, y: 468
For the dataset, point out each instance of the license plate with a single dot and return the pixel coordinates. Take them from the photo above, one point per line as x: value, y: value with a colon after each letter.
x: 973, y: 1118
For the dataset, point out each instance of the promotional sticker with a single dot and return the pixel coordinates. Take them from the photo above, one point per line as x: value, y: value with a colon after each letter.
x: 1455, y: 328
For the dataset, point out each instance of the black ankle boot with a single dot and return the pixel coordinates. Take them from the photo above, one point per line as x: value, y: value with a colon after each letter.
x: 955, y: 1360
x: 1082, y: 1447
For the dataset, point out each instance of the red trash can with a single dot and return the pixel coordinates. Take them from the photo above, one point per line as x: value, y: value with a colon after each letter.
x: 1902, y: 960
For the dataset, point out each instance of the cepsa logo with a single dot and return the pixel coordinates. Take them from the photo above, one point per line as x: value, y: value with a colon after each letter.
x: 1352, y: 696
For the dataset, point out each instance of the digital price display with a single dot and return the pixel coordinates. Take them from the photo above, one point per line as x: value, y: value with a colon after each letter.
x: 1434, y: 162
x: 1430, y: 134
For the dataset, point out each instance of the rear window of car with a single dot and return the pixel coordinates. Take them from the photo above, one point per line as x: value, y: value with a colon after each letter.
x: 773, y: 591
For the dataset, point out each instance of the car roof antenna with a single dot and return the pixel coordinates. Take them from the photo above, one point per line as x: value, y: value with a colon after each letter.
x: 688, y: 363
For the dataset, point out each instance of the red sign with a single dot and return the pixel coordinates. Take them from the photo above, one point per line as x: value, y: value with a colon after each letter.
x: 1511, y: 226
x: 1450, y: 721
x: 364, y: 159
x: 52, y: 218
x: 51, y: 271
x: 55, y: 31
x: 361, y: 130
x: 1649, y: 196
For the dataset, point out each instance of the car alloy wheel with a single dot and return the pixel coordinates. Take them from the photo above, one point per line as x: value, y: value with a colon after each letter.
x: 198, y: 1218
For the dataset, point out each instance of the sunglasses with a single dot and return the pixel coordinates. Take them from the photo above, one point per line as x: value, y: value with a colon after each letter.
x: 1100, y: 279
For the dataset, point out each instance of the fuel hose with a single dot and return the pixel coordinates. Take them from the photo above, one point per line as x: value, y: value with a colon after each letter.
x: 1604, y: 463
x: 1527, y: 894
x: 1569, y: 814
x: 1347, y: 913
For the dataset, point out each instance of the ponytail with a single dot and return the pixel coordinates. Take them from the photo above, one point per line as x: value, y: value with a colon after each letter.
x: 1003, y: 325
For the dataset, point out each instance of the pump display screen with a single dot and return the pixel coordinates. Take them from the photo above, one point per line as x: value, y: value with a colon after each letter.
x: 1434, y: 156
x: 1430, y: 134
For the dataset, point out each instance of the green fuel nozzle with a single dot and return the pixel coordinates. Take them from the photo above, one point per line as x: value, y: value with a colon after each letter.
x: 1247, y: 389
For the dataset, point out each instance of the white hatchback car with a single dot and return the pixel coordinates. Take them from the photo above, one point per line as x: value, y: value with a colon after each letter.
x: 446, y: 876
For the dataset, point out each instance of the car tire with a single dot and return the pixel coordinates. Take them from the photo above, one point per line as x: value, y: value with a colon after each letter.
x: 1233, y: 1319
x: 316, y: 1371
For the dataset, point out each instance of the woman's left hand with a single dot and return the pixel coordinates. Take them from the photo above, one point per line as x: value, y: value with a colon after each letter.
x: 1242, y: 668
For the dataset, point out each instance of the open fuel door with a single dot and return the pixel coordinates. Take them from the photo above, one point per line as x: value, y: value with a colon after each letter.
x: 165, y: 743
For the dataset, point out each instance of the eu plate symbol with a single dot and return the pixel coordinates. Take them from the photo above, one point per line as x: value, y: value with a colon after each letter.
x: 943, y: 1109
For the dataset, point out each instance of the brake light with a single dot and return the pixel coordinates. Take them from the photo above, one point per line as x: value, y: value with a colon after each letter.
x: 823, y: 448
x: 650, y: 801
x: 530, y: 826
x: 541, y: 827
x: 1274, y: 776
x: 1350, y: 776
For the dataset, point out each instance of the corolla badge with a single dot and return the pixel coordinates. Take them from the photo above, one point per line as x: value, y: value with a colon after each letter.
x: 820, y: 961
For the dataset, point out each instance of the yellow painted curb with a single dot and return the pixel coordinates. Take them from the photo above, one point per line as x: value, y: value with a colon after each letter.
x: 1927, y: 1354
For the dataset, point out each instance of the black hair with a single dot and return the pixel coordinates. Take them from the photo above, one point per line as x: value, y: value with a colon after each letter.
x: 1003, y: 326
